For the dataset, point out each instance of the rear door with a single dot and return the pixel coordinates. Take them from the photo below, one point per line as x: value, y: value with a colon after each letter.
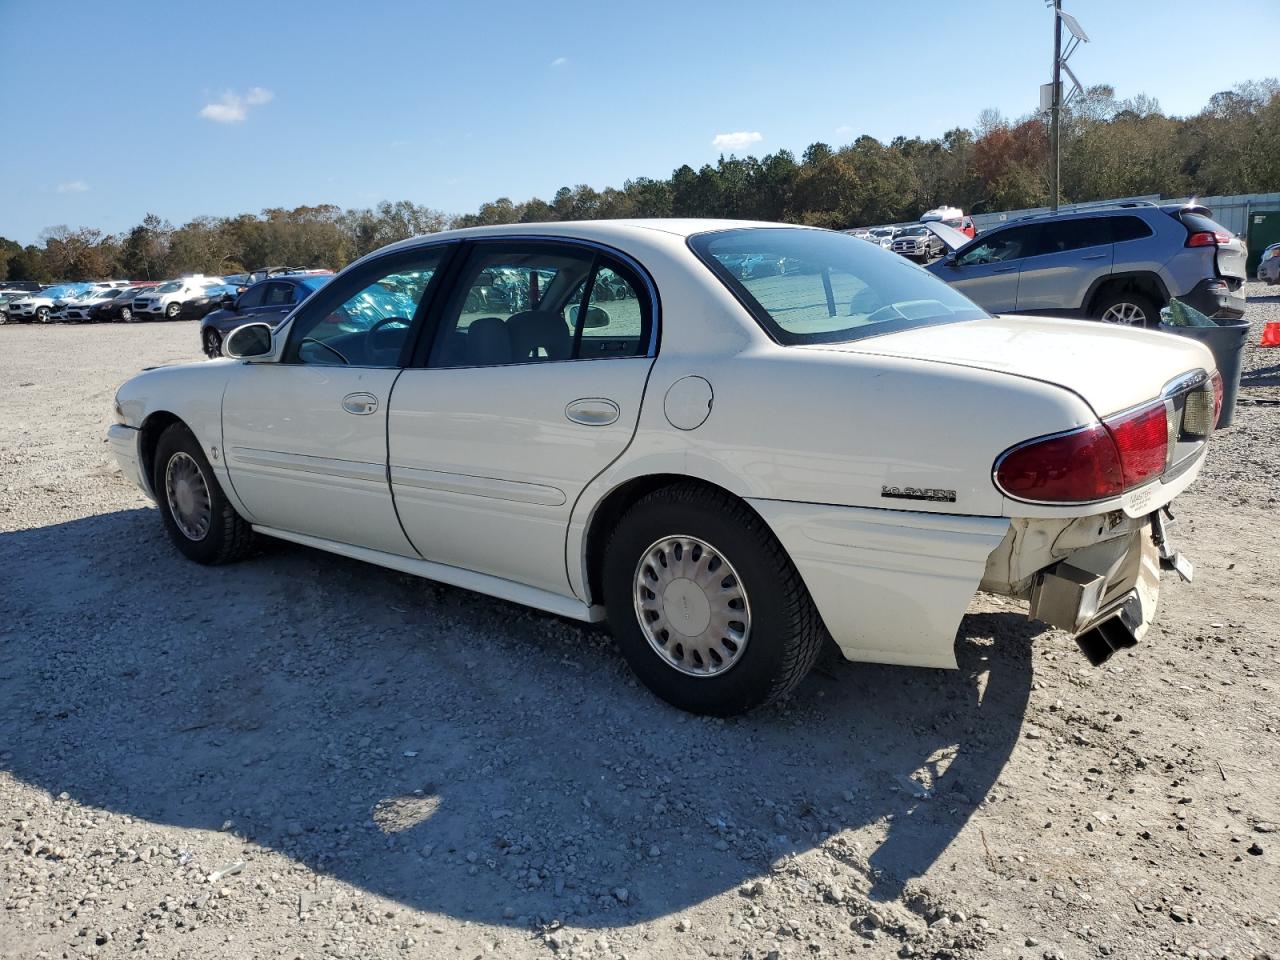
x: 276, y: 302
x: 1070, y: 257
x: 530, y: 387
x: 986, y: 270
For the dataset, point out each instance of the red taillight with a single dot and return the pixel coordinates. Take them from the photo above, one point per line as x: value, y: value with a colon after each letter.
x: 1078, y: 466
x: 1208, y: 238
x: 1142, y: 438
x: 1093, y: 463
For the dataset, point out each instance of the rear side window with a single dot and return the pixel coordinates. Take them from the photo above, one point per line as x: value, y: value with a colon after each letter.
x: 1129, y: 228
x: 817, y: 286
x: 278, y: 295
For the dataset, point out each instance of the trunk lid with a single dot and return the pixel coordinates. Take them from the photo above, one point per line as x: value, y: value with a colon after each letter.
x: 1112, y: 368
x: 1232, y: 255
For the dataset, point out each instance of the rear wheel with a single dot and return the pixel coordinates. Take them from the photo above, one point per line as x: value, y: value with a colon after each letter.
x: 172, y: 310
x: 126, y: 314
x: 706, y: 605
x: 1127, y: 310
x: 199, y: 519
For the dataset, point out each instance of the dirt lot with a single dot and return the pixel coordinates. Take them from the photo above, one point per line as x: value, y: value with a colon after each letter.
x: 302, y: 756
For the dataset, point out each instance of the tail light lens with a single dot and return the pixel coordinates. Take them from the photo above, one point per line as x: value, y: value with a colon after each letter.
x: 1208, y: 238
x: 1093, y: 463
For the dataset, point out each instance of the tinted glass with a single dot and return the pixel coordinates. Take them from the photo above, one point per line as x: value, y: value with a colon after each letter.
x: 815, y: 286
x: 252, y: 297
x: 1061, y: 236
x: 1198, y: 222
x: 368, y: 326
x: 1012, y: 243
x: 278, y: 295
x: 1129, y: 228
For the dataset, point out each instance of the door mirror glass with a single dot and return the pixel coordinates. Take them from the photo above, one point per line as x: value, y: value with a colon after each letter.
x: 251, y: 340
x: 228, y: 302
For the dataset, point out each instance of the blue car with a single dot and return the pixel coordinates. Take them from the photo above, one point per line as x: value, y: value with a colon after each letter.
x: 267, y: 301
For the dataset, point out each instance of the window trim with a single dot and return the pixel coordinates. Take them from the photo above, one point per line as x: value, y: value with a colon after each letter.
x: 420, y: 357
x: 364, y: 272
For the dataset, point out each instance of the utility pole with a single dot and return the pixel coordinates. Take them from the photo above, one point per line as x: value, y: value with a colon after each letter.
x: 1055, y: 109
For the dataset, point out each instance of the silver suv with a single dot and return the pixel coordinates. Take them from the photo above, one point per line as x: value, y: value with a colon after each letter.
x: 1118, y: 263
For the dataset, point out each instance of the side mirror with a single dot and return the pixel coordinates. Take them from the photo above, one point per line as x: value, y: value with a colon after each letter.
x: 228, y: 302
x: 596, y: 318
x: 950, y: 259
x: 251, y: 340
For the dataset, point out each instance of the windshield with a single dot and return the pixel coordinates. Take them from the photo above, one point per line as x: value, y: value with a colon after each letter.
x: 816, y: 286
x: 171, y: 287
x: 914, y: 232
x: 316, y: 282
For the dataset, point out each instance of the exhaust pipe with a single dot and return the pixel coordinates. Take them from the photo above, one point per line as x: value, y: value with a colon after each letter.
x: 1100, y: 642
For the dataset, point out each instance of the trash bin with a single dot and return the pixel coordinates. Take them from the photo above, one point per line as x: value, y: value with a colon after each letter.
x: 1226, y: 339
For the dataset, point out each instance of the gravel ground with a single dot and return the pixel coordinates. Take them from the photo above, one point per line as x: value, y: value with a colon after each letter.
x: 303, y: 756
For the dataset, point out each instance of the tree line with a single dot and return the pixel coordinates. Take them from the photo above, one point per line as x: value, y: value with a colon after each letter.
x: 1110, y: 148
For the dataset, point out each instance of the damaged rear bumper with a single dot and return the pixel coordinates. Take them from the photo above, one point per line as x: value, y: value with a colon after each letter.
x: 1098, y: 578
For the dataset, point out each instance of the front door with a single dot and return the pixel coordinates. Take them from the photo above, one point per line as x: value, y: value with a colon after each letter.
x: 305, y: 439
x: 986, y: 271
x: 532, y: 386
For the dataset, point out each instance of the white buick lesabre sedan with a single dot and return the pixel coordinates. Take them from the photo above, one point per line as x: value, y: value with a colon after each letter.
x: 728, y: 439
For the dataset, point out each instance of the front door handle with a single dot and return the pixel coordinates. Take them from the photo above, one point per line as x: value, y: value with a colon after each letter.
x: 1095, y: 256
x: 1005, y: 270
x: 593, y: 411
x: 361, y: 404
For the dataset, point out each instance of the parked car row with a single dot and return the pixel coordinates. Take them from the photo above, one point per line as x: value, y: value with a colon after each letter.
x: 183, y: 298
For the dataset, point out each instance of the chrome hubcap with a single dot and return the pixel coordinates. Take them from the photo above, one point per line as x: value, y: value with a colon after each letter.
x: 188, y: 496
x: 1126, y: 314
x: 691, y: 606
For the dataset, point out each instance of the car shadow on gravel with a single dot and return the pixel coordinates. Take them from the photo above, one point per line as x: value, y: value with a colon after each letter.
x: 463, y: 755
x: 1261, y: 377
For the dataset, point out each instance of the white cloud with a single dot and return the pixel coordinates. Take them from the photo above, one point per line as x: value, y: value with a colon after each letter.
x: 233, y: 108
x: 559, y: 61
x: 843, y: 130
x: 738, y: 140
x: 72, y: 186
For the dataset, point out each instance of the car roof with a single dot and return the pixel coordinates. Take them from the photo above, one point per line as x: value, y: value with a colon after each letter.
x: 599, y: 230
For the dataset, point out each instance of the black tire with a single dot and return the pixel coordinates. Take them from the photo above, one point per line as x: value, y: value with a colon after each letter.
x: 172, y: 310
x: 786, y: 633
x: 42, y: 314
x: 126, y: 314
x: 212, y: 343
x: 1150, y: 312
x: 229, y: 536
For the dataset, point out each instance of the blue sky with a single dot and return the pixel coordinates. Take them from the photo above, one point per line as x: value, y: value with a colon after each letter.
x: 185, y: 109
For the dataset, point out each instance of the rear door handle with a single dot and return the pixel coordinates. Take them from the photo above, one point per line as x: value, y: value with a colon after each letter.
x: 1005, y: 270
x: 1095, y: 256
x: 361, y: 404
x: 593, y: 411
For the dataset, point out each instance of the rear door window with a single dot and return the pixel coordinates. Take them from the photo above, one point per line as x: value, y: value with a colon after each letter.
x: 278, y: 295
x: 1079, y: 234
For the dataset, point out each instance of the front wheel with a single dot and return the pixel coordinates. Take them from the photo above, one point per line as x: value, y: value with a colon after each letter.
x: 706, y: 605
x: 42, y: 314
x: 1127, y: 310
x: 126, y: 314
x: 212, y: 343
x: 199, y: 519
x: 172, y: 310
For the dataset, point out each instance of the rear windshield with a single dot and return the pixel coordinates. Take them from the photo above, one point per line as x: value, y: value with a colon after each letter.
x: 1202, y: 223
x: 818, y: 286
